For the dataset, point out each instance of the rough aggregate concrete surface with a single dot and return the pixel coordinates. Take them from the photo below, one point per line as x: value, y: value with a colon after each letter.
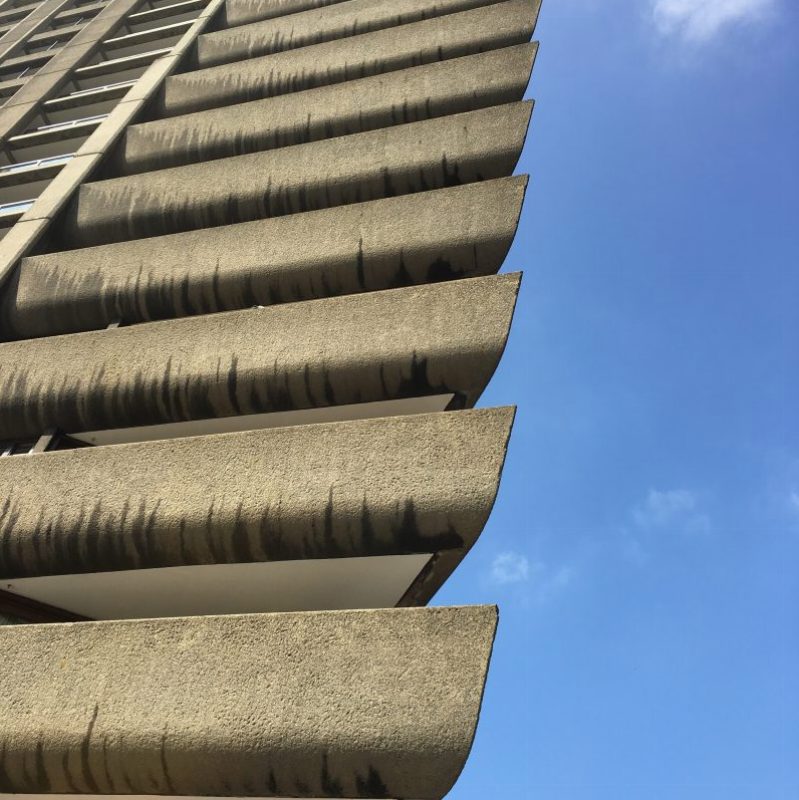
x: 329, y: 704
x: 499, y: 25
x: 418, y: 156
x: 345, y: 489
x: 409, y: 95
x: 315, y: 26
x: 434, y: 339
x: 382, y: 244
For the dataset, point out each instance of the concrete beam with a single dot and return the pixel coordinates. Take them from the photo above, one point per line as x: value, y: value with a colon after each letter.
x: 339, y: 21
x: 461, y: 148
x: 424, y: 42
x: 387, y: 486
x: 418, y: 93
x: 25, y: 29
x: 382, y: 244
x: 333, y: 704
x: 28, y: 231
x: 435, y: 339
x: 74, y: 53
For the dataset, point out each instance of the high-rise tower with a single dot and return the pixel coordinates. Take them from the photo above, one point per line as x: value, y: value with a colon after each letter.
x: 249, y: 299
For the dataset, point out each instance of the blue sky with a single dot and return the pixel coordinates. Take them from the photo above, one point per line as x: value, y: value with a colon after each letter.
x: 645, y: 544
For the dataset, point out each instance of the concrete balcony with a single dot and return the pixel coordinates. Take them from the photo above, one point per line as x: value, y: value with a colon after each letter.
x: 366, y: 514
x: 413, y: 239
x: 357, y: 704
x: 438, y: 340
x: 453, y: 150
x: 335, y: 22
x: 464, y: 33
x: 418, y: 93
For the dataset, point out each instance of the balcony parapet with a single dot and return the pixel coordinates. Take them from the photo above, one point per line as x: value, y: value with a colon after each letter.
x: 336, y: 22
x: 358, y: 704
x: 434, y: 90
x: 429, y: 340
x: 460, y: 232
x: 464, y: 33
x: 417, y: 484
x: 449, y: 151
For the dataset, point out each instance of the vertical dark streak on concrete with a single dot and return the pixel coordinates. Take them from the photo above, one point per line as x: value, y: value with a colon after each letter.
x: 330, y: 786
x: 360, y: 265
x: 242, y: 549
x: 372, y: 785
x: 331, y: 547
x: 107, y: 768
x: 68, y: 777
x: 28, y: 779
x: 6, y: 783
x: 42, y: 779
x: 165, y: 766
x: 85, y: 755
x: 367, y: 528
x: 232, y: 385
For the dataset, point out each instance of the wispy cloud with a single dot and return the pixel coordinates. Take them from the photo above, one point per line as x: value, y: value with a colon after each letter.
x: 671, y: 510
x: 537, y: 581
x: 662, y: 512
x: 510, y: 567
x: 701, y: 20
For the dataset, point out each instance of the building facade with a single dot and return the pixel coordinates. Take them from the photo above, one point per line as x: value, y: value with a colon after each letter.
x: 249, y: 298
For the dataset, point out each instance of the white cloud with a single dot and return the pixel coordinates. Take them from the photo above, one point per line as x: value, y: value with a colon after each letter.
x: 510, y: 567
x: 535, y: 581
x: 673, y: 509
x: 660, y: 508
x: 701, y: 20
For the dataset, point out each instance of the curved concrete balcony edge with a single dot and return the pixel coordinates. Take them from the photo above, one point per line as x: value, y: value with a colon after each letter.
x: 316, y: 26
x: 434, y: 339
x: 379, y: 487
x: 449, y: 151
x: 495, y: 26
x: 360, y: 704
x: 459, y: 232
x: 433, y: 90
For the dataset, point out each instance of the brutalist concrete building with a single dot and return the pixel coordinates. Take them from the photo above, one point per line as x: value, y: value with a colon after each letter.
x: 250, y: 297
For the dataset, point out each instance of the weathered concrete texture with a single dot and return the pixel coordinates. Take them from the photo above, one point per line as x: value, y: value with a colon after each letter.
x: 242, y: 12
x: 434, y: 339
x: 461, y: 148
x: 460, y: 232
x: 326, y: 704
x: 338, y: 21
x: 418, y: 93
x: 337, y: 490
x: 464, y: 33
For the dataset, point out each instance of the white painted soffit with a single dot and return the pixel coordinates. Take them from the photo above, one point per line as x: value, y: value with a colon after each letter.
x: 278, y: 419
x: 197, y: 590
